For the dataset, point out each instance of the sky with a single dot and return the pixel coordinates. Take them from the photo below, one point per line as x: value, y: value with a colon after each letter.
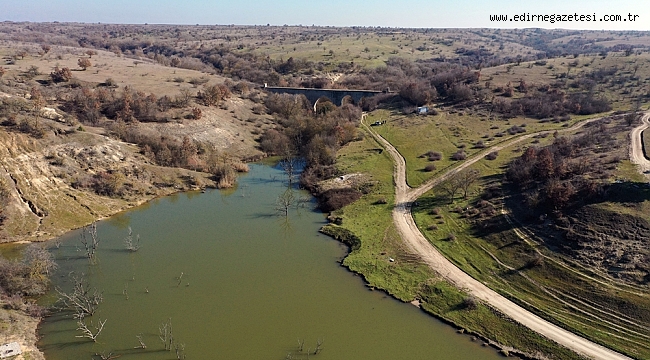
x: 384, y: 13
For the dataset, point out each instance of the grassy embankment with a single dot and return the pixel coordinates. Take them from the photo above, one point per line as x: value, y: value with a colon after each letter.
x: 502, y: 260
x: 407, y: 278
x: 626, y: 83
x: 448, y: 133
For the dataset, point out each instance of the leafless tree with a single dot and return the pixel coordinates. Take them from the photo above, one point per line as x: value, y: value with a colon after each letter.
x: 319, y: 346
x: 91, y: 332
x: 289, y: 165
x: 142, y: 344
x: 180, y: 351
x: 90, y: 240
x: 39, y: 101
x: 39, y: 262
x: 450, y: 187
x: 107, y: 355
x: 131, y: 244
x: 166, y: 335
x: 467, y: 178
x: 284, y: 202
x: 82, y: 300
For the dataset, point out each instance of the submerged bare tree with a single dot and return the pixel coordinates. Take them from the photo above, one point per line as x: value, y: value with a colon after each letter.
x: 107, y: 355
x: 131, y: 244
x: 180, y: 351
x: 290, y: 165
x: 90, y: 240
x: 166, y: 335
x: 284, y: 202
x: 142, y: 344
x: 82, y: 300
x: 91, y: 332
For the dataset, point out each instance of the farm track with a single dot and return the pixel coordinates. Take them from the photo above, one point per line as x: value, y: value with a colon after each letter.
x: 636, y: 147
x: 415, y: 240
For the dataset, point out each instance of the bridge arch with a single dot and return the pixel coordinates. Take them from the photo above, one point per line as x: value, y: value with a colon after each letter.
x: 336, y: 96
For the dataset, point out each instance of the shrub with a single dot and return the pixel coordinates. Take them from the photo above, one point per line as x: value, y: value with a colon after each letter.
x: 535, y: 261
x: 451, y: 237
x: 429, y: 168
x: 110, y: 82
x: 470, y: 303
x: 109, y: 184
x: 61, y: 74
x: 432, y: 155
x: 240, y: 167
x: 225, y: 176
x: 213, y: 95
x: 84, y: 63
x: 196, y: 113
x: 335, y: 199
x: 492, y: 156
x: 459, y: 155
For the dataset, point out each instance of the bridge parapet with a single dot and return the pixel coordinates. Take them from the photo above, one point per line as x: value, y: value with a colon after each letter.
x: 335, y: 95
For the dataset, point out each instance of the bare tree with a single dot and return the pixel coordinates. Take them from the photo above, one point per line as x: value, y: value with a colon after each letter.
x: 90, y: 245
x: 319, y: 346
x: 107, y: 355
x: 180, y: 351
x: 467, y: 178
x: 91, y: 332
x: 284, y: 202
x: 289, y: 164
x: 166, y: 335
x: 39, y: 101
x: 142, y: 344
x: 632, y: 116
x: 450, y: 187
x: 39, y: 262
x: 131, y: 244
x: 82, y: 300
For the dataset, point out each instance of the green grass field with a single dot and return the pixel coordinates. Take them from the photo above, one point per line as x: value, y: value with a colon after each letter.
x: 407, y: 278
x: 447, y: 132
x: 501, y: 260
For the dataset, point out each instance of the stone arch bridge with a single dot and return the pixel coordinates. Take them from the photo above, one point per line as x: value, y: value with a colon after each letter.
x: 335, y: 95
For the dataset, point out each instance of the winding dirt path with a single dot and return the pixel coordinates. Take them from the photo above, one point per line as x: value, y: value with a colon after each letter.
x: 415, y: 240
x: 636, y: 147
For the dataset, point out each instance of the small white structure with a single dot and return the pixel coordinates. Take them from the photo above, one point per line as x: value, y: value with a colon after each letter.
x: 9, y: 350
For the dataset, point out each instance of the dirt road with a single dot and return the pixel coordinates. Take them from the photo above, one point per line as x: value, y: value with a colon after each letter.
x: 636, y: 146
x: 415, y: 240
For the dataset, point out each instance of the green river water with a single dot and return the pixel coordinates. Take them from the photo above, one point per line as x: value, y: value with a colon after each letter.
x: 252, y: 285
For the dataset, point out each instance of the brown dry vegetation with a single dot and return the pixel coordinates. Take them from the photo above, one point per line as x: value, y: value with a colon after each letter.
x: 569, y: 192
x: 97, y: 118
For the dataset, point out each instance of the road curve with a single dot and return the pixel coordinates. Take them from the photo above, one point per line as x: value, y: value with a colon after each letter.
x: 636, y: 146
x: 415, y: 240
